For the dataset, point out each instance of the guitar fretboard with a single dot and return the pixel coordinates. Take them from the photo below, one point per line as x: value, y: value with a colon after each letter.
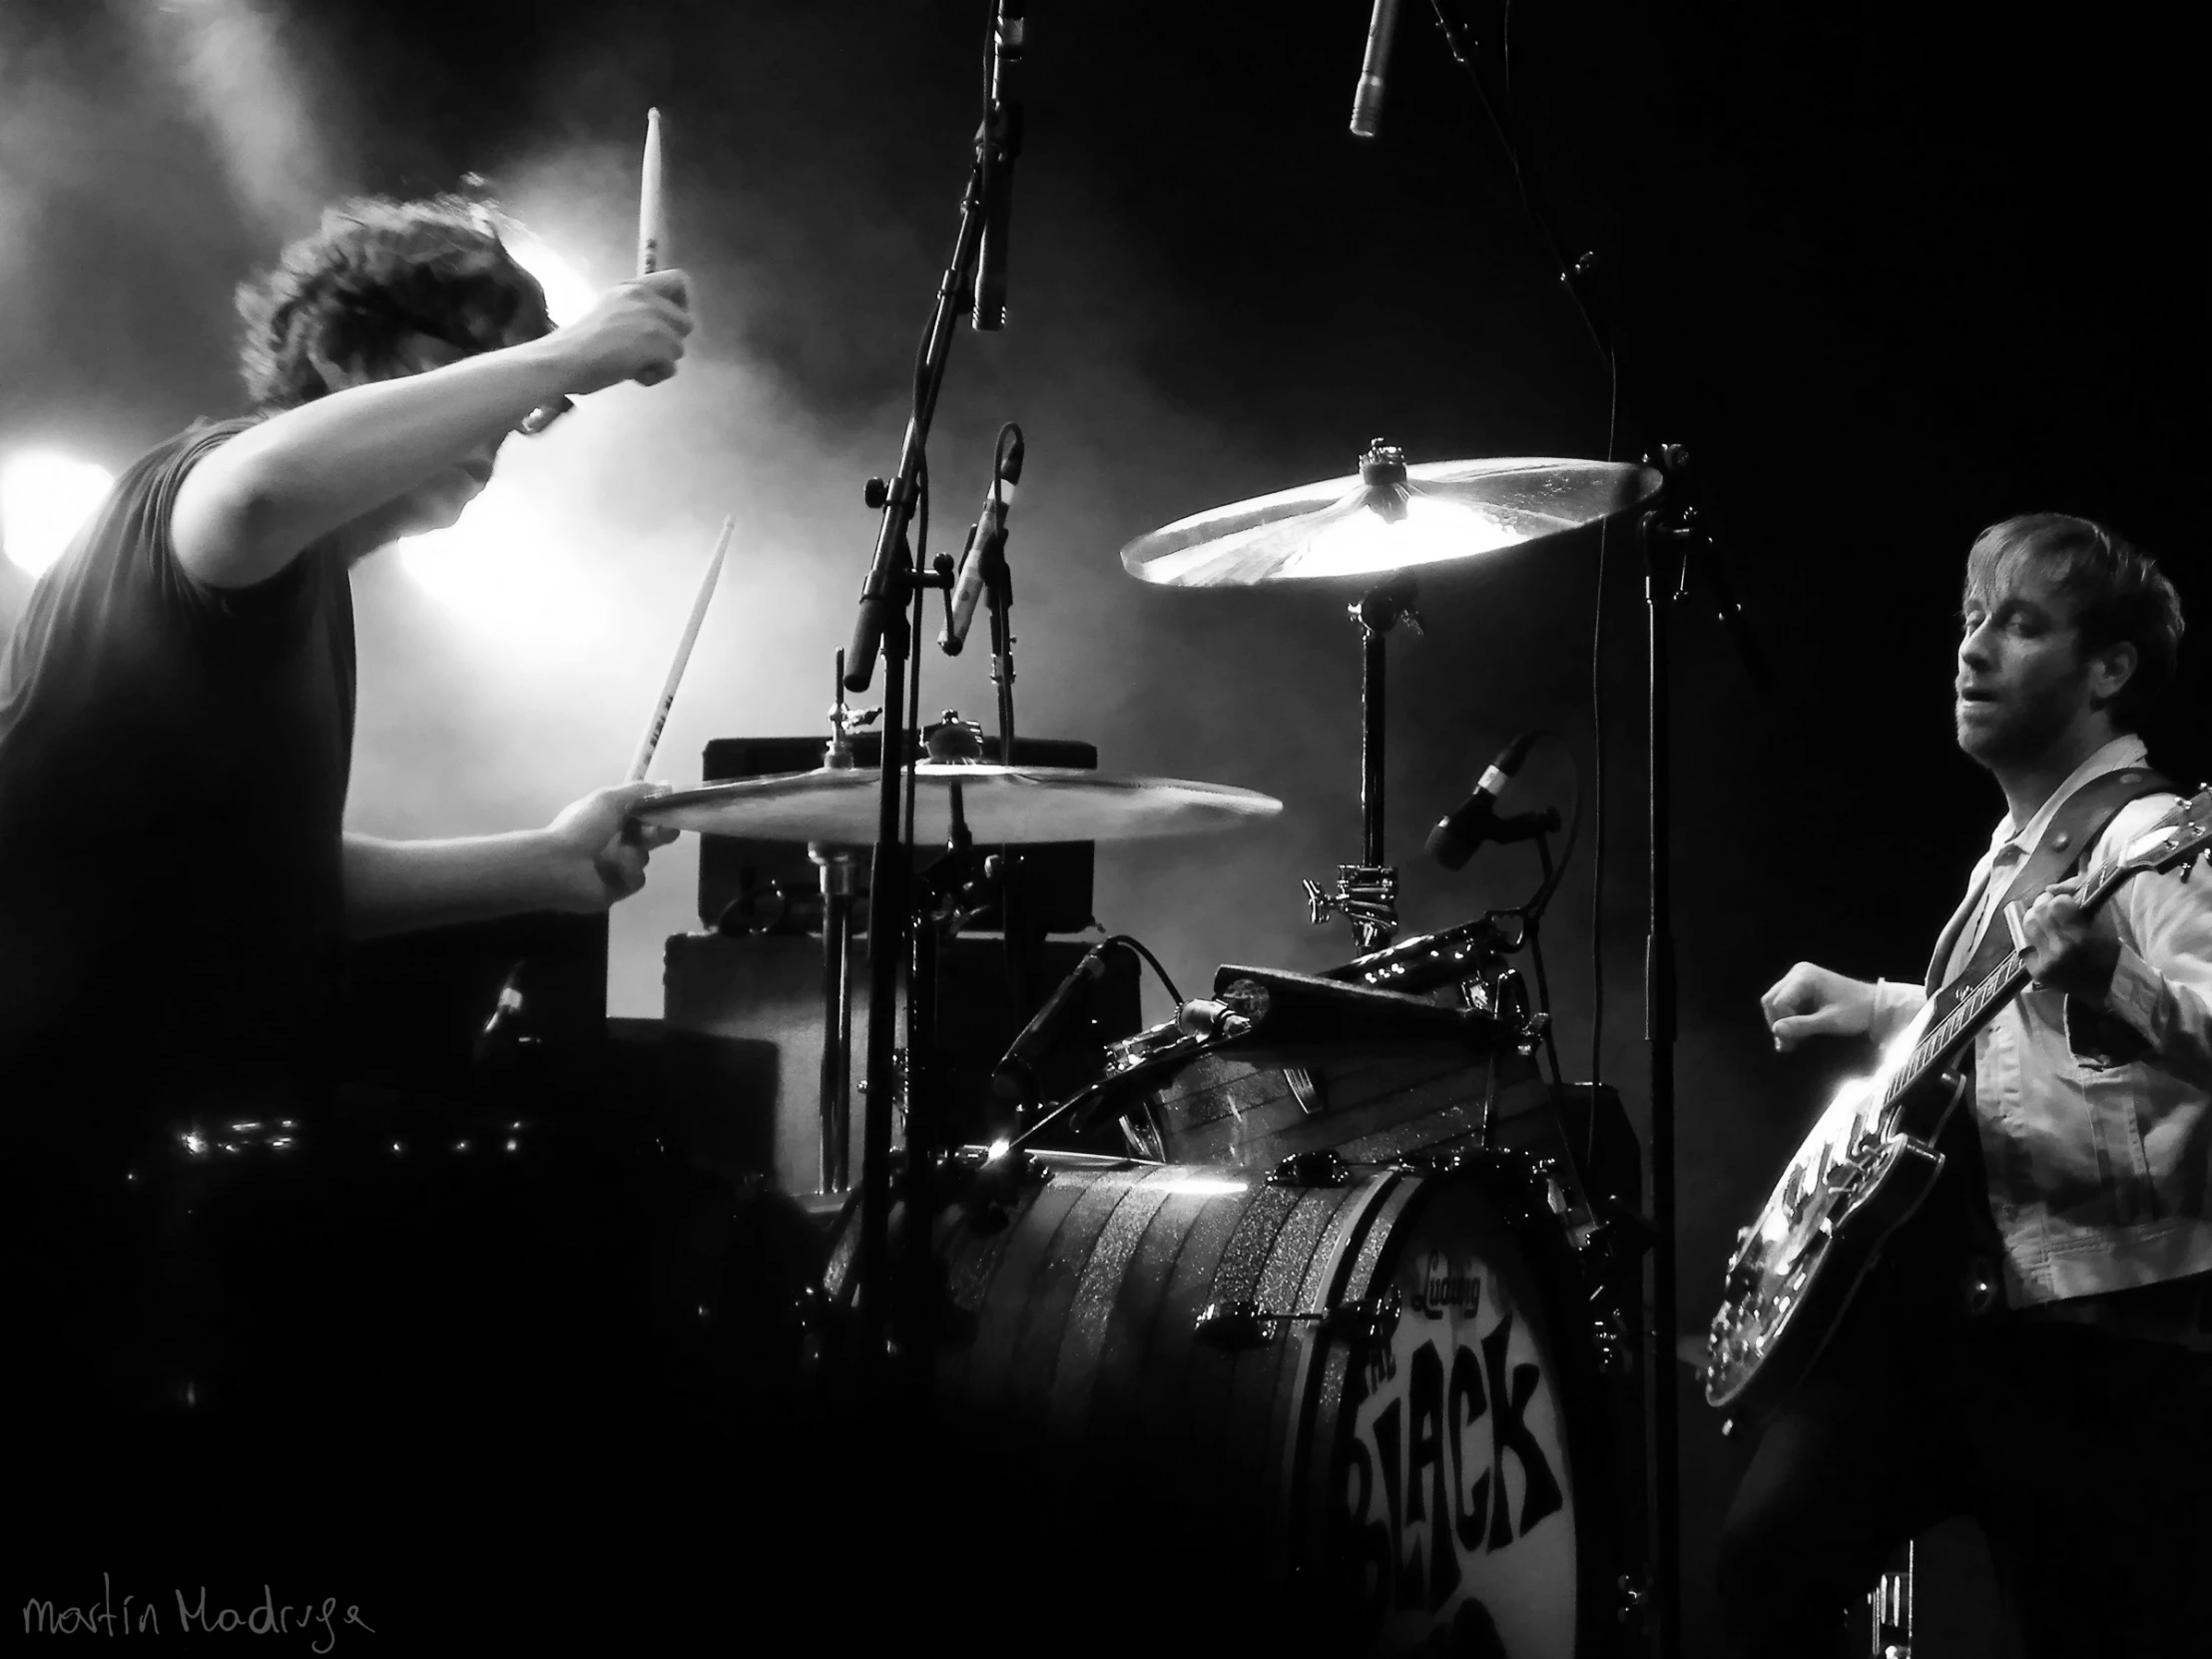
x: 1975, y: 1007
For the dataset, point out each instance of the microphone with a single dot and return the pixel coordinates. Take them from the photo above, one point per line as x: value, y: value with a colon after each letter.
x: 1453, y: 843
x: 1002, y: 140
x: 988, y: 542
x: 1206, y: 1017
x: 1367, y: 98
x: 1016, y: 1076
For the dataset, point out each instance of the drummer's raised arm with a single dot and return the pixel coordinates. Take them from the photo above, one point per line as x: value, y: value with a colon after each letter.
x: 378, y: 457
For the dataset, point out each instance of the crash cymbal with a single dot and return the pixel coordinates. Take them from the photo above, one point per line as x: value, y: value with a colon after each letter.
x: 1391, y: 517
x: 838, y: 807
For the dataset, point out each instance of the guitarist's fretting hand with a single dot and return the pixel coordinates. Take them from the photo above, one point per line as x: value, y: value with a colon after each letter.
x: 1812, y: 1001
x: 2068, y: 950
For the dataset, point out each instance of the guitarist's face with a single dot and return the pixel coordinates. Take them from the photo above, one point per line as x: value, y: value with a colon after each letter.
x: 2024, y: 688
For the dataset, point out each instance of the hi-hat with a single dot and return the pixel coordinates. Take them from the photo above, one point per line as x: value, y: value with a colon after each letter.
x: 837, y: 806
x: 1392, y: 517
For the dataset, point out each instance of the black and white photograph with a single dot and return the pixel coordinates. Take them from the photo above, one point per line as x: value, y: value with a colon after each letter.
x: 1494, y: 940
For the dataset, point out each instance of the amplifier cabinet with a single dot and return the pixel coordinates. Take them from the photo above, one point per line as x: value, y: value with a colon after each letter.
x: 767, y: 990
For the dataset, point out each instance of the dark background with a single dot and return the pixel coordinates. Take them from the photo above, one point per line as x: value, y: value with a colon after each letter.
x: 1891, y: 280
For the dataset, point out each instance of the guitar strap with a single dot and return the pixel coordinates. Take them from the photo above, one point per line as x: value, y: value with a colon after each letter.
x: 2067, y: 841
x: 1957, y: 1236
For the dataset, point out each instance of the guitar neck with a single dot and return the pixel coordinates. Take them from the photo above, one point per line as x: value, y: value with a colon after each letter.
x: 1979, y: 1005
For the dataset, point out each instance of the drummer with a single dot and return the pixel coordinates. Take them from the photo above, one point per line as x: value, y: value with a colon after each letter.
x: 176, y: 703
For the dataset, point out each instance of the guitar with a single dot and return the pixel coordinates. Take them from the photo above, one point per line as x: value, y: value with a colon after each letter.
x: 1870, y: 1161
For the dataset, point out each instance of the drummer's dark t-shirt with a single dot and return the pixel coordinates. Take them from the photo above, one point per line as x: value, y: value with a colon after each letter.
x: 172, y: 773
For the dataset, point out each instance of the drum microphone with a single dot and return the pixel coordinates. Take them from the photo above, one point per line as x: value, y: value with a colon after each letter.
x: 1001, y: 142
x: 1206, y: 1017
x: 1367, y: 99
x: 988, y: 542
x: 1453, y: 843
x: 1016, y: 1079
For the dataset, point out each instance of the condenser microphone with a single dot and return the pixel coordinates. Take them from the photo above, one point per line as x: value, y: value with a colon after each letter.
x: 988, y: 542
x: 1367, y: 98
x: 1453, y: 843
x: 1001, y: 140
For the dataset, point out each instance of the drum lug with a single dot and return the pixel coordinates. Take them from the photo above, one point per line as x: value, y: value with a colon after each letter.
x: 1237, y: 1325
x: 1318, y: 1168
x: 1371, y: 1320
x: 1242, y: 1324
x: 1531, y: 1034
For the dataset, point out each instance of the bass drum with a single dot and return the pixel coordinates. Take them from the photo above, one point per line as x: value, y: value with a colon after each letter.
x: 1367, y: 1412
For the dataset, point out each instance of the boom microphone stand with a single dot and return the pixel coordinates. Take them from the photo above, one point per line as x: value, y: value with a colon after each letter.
x: 882, y: 628
x: 1669, y: 535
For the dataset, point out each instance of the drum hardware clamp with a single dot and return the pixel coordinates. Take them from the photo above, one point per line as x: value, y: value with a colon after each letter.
x: 1366, y: 897
x: 1320, y: 1167
x: 1370, y: 1320
x: 1612, y: 1345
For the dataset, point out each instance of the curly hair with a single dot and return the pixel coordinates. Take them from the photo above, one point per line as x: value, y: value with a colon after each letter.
x: 2118, y: 593
x: 376, y: 271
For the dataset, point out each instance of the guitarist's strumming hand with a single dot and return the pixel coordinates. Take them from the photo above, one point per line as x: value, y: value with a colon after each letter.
x: 2068, y: 949
x: 1812, y: 1001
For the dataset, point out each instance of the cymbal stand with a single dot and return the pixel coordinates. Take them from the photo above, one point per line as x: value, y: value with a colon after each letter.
x: 1367, y: 892
x: 1668, y: 535
x: 1013, y: 919
x: 836, y: 866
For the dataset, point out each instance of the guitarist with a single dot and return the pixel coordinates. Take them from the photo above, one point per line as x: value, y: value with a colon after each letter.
x: 2032, y: 1352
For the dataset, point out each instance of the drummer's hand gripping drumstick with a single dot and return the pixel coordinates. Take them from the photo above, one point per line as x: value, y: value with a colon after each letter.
x: 652, y: 233
x: 667, y: 701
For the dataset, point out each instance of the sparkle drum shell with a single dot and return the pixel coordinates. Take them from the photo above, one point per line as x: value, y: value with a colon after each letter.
x: 1367, y: 1102
x: 1371, y: 1483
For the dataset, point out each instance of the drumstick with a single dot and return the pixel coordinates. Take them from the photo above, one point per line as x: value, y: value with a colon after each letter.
x: 652, y: 738
x: 652, y: 228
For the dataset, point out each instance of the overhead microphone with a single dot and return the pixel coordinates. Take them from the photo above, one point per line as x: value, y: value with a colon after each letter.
x: 1001, y: 142
x: 1453, y: 843
x: 1367, y: 98
x: 988, y: 542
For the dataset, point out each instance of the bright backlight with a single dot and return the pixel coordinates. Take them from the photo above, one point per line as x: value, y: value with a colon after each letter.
x: 568, y: 295
x: 509, y: 569
x: 45, y: 499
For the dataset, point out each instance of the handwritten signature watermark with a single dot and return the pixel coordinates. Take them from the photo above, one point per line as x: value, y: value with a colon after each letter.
x: 316, y: 1622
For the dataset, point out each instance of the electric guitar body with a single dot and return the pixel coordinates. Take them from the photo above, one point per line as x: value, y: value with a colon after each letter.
x: 1870, y: 1163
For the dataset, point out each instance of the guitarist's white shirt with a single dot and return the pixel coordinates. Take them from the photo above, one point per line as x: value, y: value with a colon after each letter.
x: 2096, y: 1134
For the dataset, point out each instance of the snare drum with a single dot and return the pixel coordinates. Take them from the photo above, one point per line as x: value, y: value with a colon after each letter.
x: 1368, y: 1413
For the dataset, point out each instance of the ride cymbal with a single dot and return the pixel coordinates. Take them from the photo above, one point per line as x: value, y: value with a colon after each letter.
x: 1391, y: 517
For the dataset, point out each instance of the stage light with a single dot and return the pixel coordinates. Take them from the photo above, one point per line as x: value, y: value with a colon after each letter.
x: 45, y: 499
x: 568, y: 293
x: 509, y: 567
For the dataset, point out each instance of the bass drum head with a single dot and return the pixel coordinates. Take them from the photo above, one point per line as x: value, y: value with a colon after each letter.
x: 1457, y: 1499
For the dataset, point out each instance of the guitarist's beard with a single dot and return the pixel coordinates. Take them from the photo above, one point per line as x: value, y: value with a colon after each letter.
x: 2020, y: 730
